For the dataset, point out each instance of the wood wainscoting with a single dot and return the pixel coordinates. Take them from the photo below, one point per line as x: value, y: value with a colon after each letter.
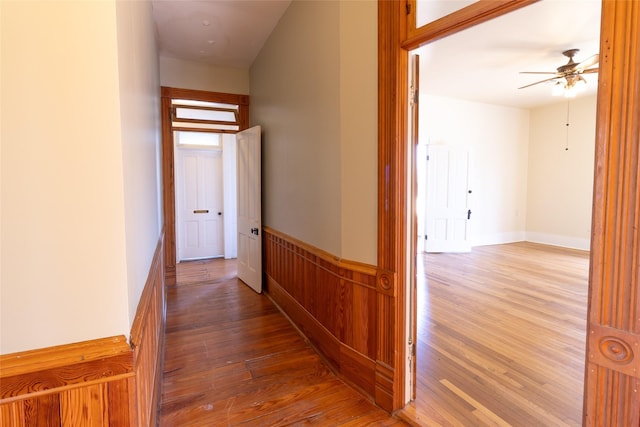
x: 331, y: 301
x: 85, y: 384
x: 102, y: 382
x: 147, y: 340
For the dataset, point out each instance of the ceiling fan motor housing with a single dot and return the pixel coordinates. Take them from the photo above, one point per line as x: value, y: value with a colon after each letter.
x: 571, y: 64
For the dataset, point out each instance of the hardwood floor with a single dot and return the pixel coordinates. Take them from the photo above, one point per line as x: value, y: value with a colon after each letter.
x: 232, y: 359
x: 501, y: 337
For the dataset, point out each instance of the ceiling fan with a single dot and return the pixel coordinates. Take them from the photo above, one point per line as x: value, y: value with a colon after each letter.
x: 568, y: 77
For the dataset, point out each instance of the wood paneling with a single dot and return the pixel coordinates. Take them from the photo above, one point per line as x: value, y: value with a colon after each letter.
x: 332, y: 301
x: 75, y: 384
x: 232, y: 358
x: 613, y: 371
x: 147, y: 337
x: 102, y: 382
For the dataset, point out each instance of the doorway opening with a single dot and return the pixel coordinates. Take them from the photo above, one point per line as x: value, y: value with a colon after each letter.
x: 460, y: 276
x: 193, y: 112
x: 206, y: 218
x: 205, y: 172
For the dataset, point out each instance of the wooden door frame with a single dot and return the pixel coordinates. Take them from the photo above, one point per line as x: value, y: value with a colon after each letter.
x: 168, y: 161
x: 611, y: 377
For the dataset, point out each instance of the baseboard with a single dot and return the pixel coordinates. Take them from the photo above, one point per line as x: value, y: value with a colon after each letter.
x: 559, y: 240
x: 330, y: 300
x: 499, y: 238
x: 529, y: 236
x: 352, y: 366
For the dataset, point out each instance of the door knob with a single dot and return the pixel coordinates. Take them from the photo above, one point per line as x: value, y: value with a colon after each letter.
x: 254, y: 231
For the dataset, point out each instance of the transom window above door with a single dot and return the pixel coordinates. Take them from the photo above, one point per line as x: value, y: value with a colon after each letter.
x: 204, y: 116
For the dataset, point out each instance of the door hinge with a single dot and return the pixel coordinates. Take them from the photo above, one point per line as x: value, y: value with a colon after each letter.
x: 414, y: 96
x: 412, y: 349
x: 425, y: 237
x: 427, y: 157
x: 408, y: 6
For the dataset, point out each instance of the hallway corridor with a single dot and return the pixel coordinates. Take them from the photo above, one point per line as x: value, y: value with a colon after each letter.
x: 232, y: 359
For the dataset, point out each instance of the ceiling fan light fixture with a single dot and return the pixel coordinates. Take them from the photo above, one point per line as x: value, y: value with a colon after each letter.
x: 570, y: 87
x: 567, y: 79
x: 574, y: 85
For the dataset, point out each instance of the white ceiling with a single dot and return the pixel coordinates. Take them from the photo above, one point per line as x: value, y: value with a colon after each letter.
x: 227, y: 33
x: 481, y: 64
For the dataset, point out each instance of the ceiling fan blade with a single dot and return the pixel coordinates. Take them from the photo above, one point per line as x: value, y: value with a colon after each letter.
x: 590, y: 70
x: 538, y: 72
x: 588, y: 62
x: 541, y: 81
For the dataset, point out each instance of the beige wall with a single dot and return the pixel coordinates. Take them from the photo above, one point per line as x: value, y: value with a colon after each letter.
x: 497, y: 138
x: 359, y: 129
x: 185, y: 74
x: 140, y: 138
x: 70, y: 272
x: 313, y: 89
x: 525, y: 185
x: 560, y: 182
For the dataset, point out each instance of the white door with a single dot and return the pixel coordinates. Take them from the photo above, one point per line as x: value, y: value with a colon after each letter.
x: 249, y: 208
x: 447, y: 206
x: 199, y: 204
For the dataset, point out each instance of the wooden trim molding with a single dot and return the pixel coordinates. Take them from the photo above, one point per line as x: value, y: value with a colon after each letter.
x: 88, y: 383
x: 202, y: 95
x: 612, y: 378
x: 393, y: 89
x: 168, y: 178
x: 324, y: 255
x: 471, y: 15
x: 332, y: 302
x: 168, y: 190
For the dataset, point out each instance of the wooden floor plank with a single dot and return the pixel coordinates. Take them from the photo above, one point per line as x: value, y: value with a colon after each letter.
x: 232, y: 359
x: 500, y: 342
x: 501, y: 337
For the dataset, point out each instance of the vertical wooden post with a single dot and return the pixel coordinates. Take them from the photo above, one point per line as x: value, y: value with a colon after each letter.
x: 612, y: 381
x: 392, y: 193
x: 168, y: 191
